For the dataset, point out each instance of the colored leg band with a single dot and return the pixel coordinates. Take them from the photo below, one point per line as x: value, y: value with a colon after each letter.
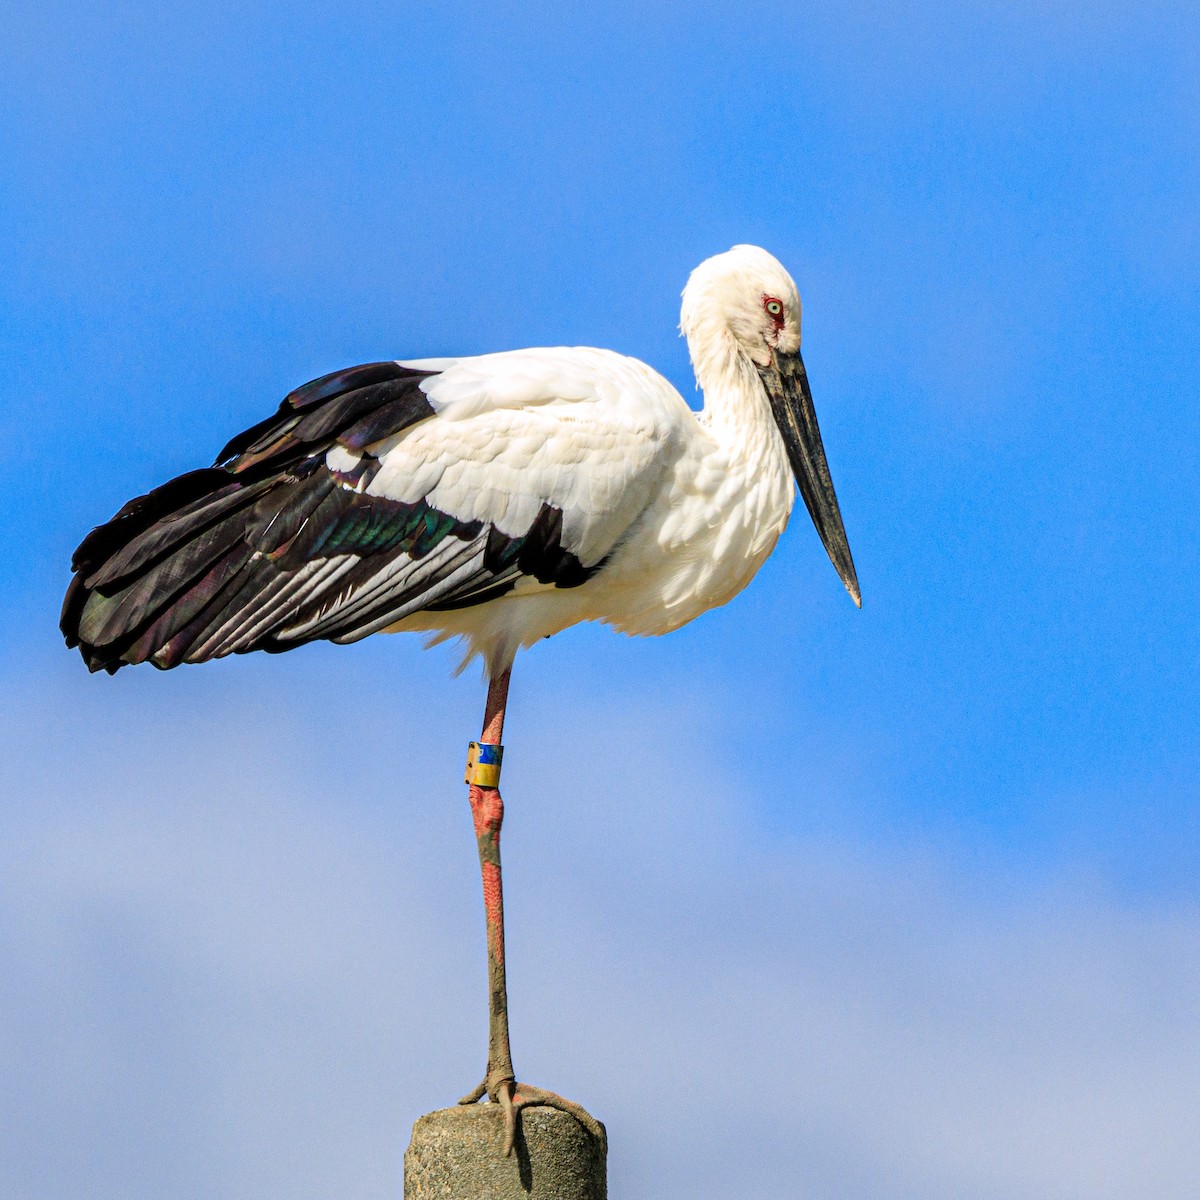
x: 483, y: 764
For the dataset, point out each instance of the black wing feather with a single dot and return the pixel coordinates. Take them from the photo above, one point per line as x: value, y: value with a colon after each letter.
x: 270, y: 547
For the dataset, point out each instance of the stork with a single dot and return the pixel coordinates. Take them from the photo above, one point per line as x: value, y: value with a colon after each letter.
x: 497, y: 499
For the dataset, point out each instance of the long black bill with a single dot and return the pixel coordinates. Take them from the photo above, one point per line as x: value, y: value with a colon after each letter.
x: 792, y: 405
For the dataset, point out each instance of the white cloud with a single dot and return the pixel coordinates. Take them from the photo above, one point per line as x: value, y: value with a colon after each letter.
x: 242, y: 956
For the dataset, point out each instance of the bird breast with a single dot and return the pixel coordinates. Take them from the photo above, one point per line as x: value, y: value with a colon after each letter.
x: 717, y: 518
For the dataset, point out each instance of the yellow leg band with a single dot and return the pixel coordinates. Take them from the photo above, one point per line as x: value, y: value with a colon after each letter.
x: 483, y: 764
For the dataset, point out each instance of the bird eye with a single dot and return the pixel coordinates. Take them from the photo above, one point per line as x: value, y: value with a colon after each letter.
x: 774, y: 307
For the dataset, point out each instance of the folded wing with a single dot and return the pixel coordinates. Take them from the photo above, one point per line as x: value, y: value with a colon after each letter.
x: 371, y: 494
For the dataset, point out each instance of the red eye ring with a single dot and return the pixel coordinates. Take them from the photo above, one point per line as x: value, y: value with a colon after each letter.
x: 775, y: 311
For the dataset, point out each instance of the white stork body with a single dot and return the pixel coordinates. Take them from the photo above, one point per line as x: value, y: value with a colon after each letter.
x: 499, y: 498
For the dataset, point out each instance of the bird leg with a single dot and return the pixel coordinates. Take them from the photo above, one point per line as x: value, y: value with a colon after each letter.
x: 487, y: 812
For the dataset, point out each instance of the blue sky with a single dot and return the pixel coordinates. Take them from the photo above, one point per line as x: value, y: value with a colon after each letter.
x: 993, y: 216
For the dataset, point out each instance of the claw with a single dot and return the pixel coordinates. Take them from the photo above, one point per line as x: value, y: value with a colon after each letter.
x: 498, y: 1091
x: 526, y: 1096
x: 513, y: 1097
x: 504, y: 1093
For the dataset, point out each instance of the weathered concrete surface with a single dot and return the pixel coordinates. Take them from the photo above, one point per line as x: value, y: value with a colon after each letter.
x: 457, y: 1154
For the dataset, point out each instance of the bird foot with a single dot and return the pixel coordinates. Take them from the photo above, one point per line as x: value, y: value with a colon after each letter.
x: 513, y: 1097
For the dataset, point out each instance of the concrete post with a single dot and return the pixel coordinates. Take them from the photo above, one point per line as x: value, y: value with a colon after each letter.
x: 457, y: 1154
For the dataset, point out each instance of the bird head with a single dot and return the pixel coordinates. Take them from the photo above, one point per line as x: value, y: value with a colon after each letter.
x: 740, y: 302
x: 741, y: 317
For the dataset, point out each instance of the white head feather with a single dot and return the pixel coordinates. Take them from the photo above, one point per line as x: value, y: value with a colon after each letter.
x: 725, y: 313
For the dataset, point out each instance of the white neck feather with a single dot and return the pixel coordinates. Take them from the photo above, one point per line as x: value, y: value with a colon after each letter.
x: 735, y: 405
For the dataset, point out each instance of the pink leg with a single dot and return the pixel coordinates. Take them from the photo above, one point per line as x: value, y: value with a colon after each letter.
x: 487, y: 812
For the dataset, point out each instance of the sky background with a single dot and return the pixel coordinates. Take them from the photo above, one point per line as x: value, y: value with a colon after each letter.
x: 802, y: 900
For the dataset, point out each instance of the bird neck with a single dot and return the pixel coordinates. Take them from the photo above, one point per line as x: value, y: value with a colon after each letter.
x: 735, y: 405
